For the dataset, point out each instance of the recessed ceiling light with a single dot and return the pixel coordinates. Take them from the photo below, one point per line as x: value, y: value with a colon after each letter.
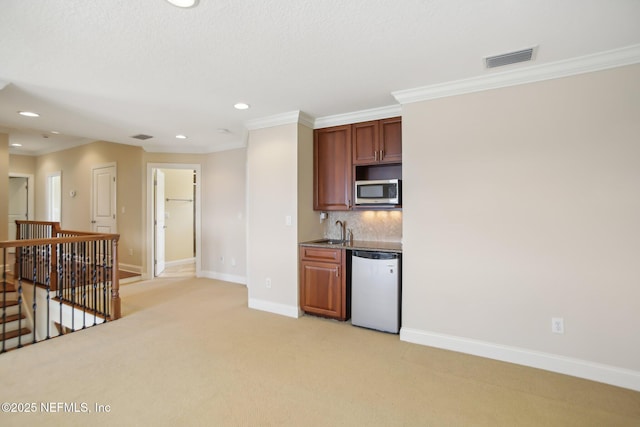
x: 28, y: 114
x: 241, y: 106
x: 15, y: 144
x: 55, y: 132
x: 223, y: 130
x: 184, y: 3
x: 181, y: 136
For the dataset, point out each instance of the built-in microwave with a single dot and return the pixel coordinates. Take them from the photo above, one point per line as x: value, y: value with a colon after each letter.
x: 378, y: 192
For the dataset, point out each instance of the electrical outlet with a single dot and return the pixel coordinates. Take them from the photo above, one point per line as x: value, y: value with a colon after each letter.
x: 557, y: 325
x: 233, y: 262
x: 130, y: 251
x: 268, y: 283
x: 222, y: 259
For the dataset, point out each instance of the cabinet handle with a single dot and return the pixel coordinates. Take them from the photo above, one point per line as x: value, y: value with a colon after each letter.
x: 381, y: 154
x: 375, y: 155
x: 337, y: 271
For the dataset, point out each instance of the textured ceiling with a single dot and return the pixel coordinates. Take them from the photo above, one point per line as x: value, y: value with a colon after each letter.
x: 107, y: 70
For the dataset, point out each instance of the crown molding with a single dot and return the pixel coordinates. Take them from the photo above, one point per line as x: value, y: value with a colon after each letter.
x: 358, y: 116
x: 280, y: 119
x: 327, y: 121
x: 584, y: 64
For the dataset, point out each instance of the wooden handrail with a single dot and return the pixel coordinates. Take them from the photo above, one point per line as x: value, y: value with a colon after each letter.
x: 36, y: 242
x: 58, y: 237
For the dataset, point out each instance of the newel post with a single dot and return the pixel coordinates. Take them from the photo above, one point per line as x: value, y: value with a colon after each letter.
x: 53, y: 274
x: 115, y: 280
x: 17, y: 272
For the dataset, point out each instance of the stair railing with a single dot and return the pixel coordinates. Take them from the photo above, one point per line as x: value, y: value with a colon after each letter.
x: 77, y: 270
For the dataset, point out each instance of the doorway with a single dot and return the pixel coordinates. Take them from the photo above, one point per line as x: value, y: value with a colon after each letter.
x: 173, y: 206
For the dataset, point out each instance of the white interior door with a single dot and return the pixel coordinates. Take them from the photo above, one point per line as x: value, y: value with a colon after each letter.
x: 18, y: 203
x: 103, y: 203
x: 159, y: 221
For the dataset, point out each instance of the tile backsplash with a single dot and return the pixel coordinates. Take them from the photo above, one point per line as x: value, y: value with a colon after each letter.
x: 381, y: 226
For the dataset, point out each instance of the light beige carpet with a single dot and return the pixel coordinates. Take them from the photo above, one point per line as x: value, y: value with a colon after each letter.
x: 190, y: 352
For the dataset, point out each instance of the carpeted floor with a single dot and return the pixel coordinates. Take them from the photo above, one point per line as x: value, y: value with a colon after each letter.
x: 189, y: 352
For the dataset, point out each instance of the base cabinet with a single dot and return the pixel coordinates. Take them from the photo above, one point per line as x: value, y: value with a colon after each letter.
x: 323, y: 282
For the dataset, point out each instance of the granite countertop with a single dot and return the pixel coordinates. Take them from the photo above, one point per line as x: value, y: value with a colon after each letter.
x: 356, y: 245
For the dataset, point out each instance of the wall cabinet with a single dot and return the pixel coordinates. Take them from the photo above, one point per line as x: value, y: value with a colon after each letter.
x: 378, y: 141
x: 332, y: 168
x: 323, y: 282
x: 344, y: 154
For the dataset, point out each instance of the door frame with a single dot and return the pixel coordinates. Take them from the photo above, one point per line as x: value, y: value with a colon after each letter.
x: 150, y: 212
x: 159, y: 218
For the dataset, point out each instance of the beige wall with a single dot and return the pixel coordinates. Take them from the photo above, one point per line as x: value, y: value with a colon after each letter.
x: 22, y: 164
x: 309, y: 225
x: 224, y: 239
x: 273, y: 194
x: 75, y: 165
x: 4, y: 186
x: 522, y: 204
x: 179, y: 237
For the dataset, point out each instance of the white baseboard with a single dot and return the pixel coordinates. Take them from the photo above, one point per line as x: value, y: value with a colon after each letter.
x: 619, y: 377
x: 179, y: 262
x: 130, y: 268
x: 242, y: 280
x: 273, y: 307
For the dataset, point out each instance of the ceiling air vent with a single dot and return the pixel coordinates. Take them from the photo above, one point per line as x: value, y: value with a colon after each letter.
x: 509, y: 58
x: 142, y: 137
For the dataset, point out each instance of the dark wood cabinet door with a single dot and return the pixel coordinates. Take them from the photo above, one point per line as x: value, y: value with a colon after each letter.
x: 391, y: 140
x: 320, y: 289
x: 332, y: 168
x: 323, y: 282
x: 365, y: 142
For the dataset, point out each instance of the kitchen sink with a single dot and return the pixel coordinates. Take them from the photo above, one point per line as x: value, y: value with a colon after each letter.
x: 330, y: 241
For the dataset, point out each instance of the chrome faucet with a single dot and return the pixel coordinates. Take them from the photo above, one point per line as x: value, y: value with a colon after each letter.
x: 343, y: 231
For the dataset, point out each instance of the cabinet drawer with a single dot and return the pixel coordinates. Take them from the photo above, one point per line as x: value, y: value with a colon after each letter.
x: 310, y: 253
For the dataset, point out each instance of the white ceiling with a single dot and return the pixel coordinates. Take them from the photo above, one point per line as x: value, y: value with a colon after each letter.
x: 107, y: 70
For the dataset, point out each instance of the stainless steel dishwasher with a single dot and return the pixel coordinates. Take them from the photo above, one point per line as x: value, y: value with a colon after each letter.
x: 375, y: 290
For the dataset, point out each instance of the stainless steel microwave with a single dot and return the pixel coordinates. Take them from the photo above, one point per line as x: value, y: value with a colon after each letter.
x: 378, y: 192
